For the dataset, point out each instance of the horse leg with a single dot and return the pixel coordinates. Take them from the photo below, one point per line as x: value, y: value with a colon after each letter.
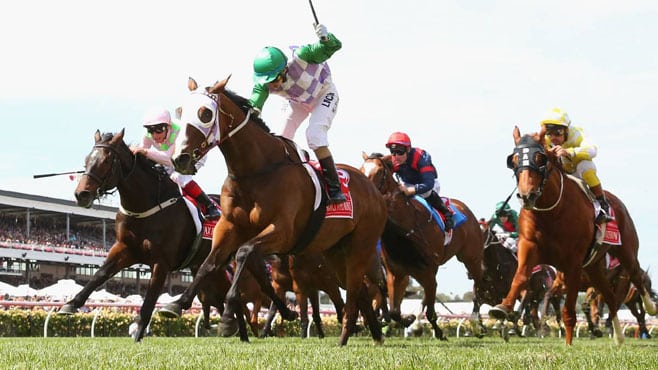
x: 158, y: 278
x: 370, y: 317
x: 572, y: 282
x: 233, y: 311
x: 267, y: 330
x: 527, y: 259
x: 476, y: 319
x: 628, y: 259
x: 317, y: 320
x: 600, y: 281
x: 118, y: 259
x: 339, y: 305
x: 302, y: 301
x: 256, y: 265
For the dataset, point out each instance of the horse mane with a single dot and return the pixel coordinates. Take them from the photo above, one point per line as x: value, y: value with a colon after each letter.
x: 243, y: 103
x: 140, y: 160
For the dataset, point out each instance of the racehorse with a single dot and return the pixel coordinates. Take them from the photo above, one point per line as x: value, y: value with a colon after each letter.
x: 557, y: 227
x: 305, y: 275
x: 153, y: 226
x: 413, y: 243
x: 268, y: 202
x: 539, y: 292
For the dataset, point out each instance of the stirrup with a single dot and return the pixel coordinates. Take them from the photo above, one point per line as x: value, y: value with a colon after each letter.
x: 603, y: 217
x: 212, y: 213
x: 336, y: 198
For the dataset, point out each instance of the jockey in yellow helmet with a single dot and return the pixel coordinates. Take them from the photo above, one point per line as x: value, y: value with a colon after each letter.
x: 576, y: 154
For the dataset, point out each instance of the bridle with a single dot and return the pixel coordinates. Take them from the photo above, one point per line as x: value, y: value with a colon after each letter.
x: 527, y: 151
x: 109, y: 180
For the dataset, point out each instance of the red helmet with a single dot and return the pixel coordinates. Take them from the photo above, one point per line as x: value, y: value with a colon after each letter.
x: 398, y: 138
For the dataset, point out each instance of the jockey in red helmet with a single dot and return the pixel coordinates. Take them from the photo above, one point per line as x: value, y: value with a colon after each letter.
x: 417, y: 174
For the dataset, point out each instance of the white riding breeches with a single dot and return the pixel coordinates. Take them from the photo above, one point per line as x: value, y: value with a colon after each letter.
x: 321, y: 117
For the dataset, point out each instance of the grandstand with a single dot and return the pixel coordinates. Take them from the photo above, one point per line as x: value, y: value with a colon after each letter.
x: 45, y: 239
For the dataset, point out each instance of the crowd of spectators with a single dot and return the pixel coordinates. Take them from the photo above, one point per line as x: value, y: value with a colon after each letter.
x: 49, y: 232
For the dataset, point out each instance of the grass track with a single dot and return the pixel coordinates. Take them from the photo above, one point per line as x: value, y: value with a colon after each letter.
x: 293, y: 353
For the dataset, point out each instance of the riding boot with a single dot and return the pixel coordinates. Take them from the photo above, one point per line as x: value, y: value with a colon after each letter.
x: 331, y: 176
x: 212, y: 212
x: 194, y: 190
x: 435, y: 201
x: 604, y: 214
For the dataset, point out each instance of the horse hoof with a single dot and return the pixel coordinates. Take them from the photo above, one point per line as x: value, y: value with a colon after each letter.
x: 290, y: 316
x: 171, y: 310
x: 67, y: 309
x: 498, y: 312
x: 227, y: 328
x: 407, y: 320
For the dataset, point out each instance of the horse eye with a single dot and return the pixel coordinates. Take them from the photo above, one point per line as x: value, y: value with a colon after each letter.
x: 205, y: 115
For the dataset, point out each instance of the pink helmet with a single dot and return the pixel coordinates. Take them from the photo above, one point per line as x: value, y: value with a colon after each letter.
x: 156, y: 116
x: 398, y: 139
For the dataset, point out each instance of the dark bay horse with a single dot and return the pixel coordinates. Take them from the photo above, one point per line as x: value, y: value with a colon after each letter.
x: 305, y: 275
x: 413, y: 243
x: 153, y: 226
x: 162, y: 240
x: 268, y: 201
x: 556, y: 227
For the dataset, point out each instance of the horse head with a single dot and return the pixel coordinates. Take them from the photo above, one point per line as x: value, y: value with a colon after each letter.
x: 378, y: 168
x: 103, y: 167
x: 199, y: 116
x: 532, y: 165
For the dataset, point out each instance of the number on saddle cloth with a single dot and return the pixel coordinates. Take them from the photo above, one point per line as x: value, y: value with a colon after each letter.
x: 458, y: 218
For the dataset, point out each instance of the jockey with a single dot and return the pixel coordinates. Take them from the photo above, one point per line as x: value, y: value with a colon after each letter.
x: 417, y: 174
x: 508, y: 220
x: 576, y: 154
x: 159, y: 144
x: 305, y: 81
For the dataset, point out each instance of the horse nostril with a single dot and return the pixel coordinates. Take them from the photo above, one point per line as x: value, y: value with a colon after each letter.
x: 83, y: 198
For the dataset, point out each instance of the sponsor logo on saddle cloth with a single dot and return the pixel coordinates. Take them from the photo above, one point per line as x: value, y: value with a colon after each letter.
x: 340, y: 210
x: 205, y: 226
x: 609, y: 232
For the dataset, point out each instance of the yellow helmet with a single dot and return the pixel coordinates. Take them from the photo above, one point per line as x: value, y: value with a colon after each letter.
x: 556, y: 117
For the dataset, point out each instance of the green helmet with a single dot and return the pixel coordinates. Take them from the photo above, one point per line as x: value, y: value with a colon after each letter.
x: 269, y: 62
x: 503, y: 210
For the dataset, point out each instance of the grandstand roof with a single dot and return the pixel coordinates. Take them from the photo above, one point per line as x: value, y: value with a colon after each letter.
x: 16, y: 204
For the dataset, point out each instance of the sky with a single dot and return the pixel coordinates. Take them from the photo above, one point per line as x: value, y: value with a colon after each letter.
x: 455, y: 75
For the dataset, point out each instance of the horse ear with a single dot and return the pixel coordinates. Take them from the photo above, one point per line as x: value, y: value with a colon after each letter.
x: 364, y: 155
x: 119, y: 136
x: 219, y: 86
x: 516, y: 134
x: 178, y: 113
x: 191, y: 84
x: 97, y: 136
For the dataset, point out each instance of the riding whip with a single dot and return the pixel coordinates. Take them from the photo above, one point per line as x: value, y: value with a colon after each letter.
x: 315, y: 16
x: 57, y: 174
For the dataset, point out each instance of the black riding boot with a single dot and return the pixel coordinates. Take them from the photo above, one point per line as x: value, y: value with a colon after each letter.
x: 211, y: 209
x: 435, y: 201
x: 604, y: 215
x: 331, y: 176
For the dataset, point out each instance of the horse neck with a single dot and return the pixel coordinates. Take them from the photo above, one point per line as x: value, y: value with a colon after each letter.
x: 251, y: 149
x: 553, y: 193
x: 141, y: 188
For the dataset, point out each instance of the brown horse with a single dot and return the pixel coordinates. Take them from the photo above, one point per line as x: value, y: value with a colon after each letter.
x: 557, y: 227
x: 268, y: 204
x: 413, y: 243
x: 305, y: 275
x: 153, y: 226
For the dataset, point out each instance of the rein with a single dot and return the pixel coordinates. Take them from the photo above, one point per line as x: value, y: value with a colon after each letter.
x: 103, y: 186
x: 558, y: 199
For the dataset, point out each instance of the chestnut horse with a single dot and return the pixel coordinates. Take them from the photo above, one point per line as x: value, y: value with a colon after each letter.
x: 557, y: 227
x: 413, y: 243
x: 268, y: 202
x: 305, y: 275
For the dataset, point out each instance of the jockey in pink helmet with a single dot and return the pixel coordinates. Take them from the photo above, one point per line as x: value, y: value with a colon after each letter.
x: 159, y: 144
x: 414, y: 169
